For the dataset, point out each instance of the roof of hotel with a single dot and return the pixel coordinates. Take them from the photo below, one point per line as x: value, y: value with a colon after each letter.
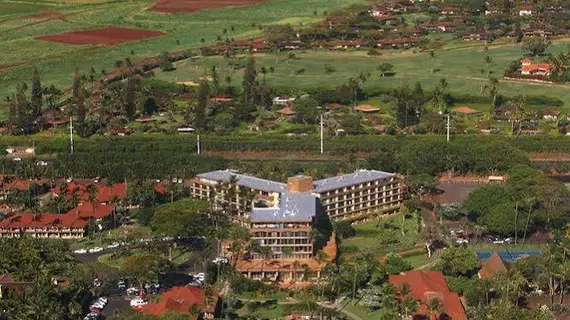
x: 246, y: 181
x: 359, y: 176
x: 293, y: 206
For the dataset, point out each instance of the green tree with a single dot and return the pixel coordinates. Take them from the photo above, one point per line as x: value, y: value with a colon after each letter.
x: 37, y: 92
x: 203, y: 97
x: 483, y: 199
x: 249, y: 87
x: 385, y: 68
x: 536, y: 46
x: 458, y: 261
x: 306, y: 110
x: 131, y: 94
x: 164, y: 62
x: 144, y: 268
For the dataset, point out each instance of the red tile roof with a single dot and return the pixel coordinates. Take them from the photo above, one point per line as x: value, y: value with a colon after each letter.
x: 287, y: 111
x: 427, y: 285
x: 177, y: 299
x: 104, y: 193
x: 537, y: 67
x: 492, y: 266
x: 21, y: 184
x: 77, y: 217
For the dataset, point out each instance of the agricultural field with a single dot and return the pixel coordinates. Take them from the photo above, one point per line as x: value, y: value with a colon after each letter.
x: 459, y: 63
x: 22, y: 22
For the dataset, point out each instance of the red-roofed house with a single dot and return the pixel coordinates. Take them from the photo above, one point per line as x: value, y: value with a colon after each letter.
x: 9, y: 285
x: 529, y: 67
x: 428, y: 285
x: 492, y: 266
x: 287, y: 111
x: 185, y: 299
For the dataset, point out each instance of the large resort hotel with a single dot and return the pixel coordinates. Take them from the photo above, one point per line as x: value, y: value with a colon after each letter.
x: 280, y: 216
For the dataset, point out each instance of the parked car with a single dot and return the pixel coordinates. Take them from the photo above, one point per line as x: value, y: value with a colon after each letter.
x: 121, y: 285
x: 138, y: 302
x: 200, y: 276
x: 95, y: 250
x: 92, y: 316
x: 98, y: 305
x: 196, y: 283
x: 103, y: 300
x: 80, y: 251
x: 152, y: 288
x: 113, y: 245
x: 461, y: 241
x: 220, y: 260
x: 97, y: 283
x: 132, y: 291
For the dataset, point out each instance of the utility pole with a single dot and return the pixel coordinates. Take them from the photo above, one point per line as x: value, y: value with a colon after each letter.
x: 198, y: 143
x: 322, y: 136
x: 71, y: 133
x: 448, y: 125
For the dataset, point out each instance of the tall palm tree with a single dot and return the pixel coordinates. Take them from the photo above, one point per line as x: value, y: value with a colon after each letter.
x: 434, y: 307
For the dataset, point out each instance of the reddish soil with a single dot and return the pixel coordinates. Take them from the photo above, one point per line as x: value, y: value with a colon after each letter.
x: 45, y: 15
x: 195, y: 5
x: 549, y: 156
x: 7, y: 67
x: 104, y: 36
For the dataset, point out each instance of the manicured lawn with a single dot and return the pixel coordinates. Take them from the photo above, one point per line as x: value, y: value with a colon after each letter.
x: 382, y: 235
x: 460, y: 66
x: 360, y: 310
x: 279, y: 296
x: 273, y: 312
x: 420, y: 260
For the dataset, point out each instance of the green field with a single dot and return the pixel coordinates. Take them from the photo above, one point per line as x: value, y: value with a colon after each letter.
x: 56, y: 62
x: 460, y: 65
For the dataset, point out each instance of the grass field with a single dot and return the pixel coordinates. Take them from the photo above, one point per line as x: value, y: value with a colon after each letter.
x: 56, y: 63
x: 460, y: 65
x: 382, y: 236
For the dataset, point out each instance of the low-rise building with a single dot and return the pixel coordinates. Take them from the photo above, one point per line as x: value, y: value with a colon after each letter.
x: 531, y: 68
x: 184, y: 300
x: 426, y: 286
x: 71, y: 225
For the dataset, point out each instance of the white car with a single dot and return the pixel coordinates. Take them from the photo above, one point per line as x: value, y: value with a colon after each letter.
x: 113, y: 246
x: 138, y: 302
x: 80, y: 251
x: 103, y: 300
x: 200, y: 276
x: 98, y: 305
x: 96, y: 249
x: 132, y: 290
x: 220, y: 260
x: 461, y: 241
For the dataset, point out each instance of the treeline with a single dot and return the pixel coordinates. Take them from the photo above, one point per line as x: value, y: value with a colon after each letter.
x: 187, y: 144
x: 163, y: 156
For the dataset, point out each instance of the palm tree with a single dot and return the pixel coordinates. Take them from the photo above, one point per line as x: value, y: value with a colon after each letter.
x: 409, y: 306
x: 530, y: 202
x: 434, y: 307
x: 564, y: 277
